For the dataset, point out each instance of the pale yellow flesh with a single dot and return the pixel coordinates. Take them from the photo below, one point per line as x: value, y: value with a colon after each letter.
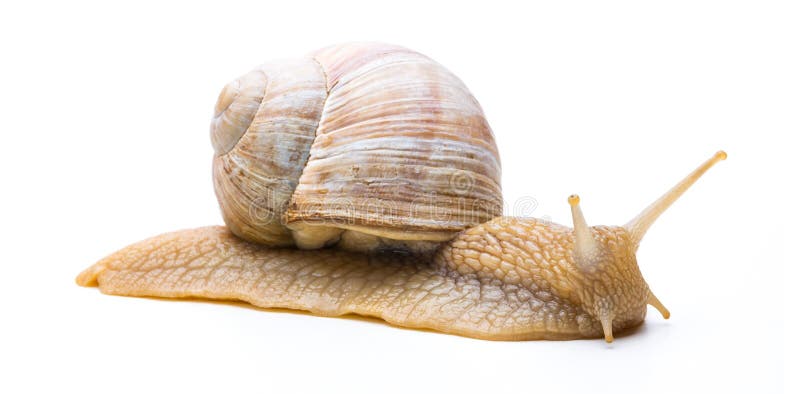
x: 402, y: 289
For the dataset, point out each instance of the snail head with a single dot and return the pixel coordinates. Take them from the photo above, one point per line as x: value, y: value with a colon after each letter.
x: 614, y: 291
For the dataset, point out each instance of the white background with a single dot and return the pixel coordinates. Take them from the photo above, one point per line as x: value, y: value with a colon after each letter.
x: 105, y: 114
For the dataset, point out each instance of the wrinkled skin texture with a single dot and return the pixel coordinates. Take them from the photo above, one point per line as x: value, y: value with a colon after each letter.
x: 507, y: 279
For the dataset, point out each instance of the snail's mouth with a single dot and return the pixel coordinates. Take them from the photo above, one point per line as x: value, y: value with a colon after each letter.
x: 235, y: 110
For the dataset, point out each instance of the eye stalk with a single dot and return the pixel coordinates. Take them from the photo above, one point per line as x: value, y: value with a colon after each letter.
x: 586, y: 252
x: 639, y: 225
x: 588, y: 256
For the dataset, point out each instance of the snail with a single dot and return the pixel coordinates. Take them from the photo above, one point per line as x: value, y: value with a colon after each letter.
x: 364, y: 179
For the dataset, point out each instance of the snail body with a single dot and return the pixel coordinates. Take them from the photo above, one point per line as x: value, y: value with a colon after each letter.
x: 340, y: 178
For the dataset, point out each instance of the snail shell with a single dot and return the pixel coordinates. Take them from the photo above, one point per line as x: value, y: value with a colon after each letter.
x: 369, y: 145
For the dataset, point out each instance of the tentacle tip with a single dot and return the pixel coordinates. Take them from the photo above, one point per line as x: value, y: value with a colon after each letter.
x: 663, y: 311
x: 608, y: 331
x: 653, y: 300
x: 574, y: 200
x: 720, y: 155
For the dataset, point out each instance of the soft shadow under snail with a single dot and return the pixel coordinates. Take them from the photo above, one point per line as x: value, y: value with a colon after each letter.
x: 365, y: 179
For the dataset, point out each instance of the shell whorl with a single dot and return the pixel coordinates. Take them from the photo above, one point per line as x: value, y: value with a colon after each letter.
x: 256, y: 177
x: 236, y: 107
x: 364, y: 142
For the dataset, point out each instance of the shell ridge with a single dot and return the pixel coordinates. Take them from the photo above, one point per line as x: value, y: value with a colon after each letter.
x: 314, y: 137
x: 262, y: 169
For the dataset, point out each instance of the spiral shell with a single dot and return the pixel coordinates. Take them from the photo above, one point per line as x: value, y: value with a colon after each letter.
x: 369, y: 145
